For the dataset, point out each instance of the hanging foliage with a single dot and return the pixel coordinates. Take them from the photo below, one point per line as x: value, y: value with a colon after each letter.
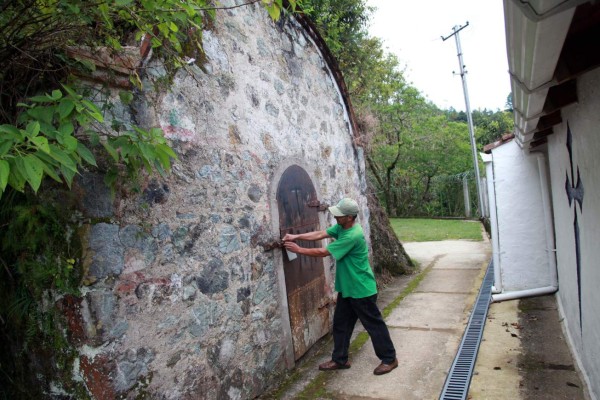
x: 46, y: 125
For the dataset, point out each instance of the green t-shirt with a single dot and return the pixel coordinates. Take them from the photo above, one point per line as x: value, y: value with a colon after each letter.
x: 353, y: 276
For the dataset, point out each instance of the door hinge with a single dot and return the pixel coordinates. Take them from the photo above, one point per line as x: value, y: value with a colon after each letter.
x: 319, y: 205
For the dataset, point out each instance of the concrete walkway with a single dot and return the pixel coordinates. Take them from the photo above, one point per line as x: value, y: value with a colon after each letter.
x: 427, y: 326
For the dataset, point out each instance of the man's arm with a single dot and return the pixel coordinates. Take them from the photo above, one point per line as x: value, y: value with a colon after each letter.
x: 312, y: 252
x: 289, y: 239
x: 309, y: 236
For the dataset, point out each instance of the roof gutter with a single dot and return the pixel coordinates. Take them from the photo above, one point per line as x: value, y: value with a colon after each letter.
x: 536, y: 16
x: 534, y: 37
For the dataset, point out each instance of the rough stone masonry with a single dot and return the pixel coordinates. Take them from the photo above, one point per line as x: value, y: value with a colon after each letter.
x: 181, y: 299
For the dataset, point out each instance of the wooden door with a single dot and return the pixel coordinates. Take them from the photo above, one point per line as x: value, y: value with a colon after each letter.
x: 304, y: 276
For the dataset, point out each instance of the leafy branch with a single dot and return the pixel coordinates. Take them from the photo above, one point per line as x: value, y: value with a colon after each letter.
x: 45, y: 142
x: 42, y: 143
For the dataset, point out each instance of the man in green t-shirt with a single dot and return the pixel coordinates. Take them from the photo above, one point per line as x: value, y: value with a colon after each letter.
x: 355, y: 284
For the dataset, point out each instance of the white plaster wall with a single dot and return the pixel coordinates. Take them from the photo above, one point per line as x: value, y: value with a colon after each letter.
x: 523, y: 250
x: 583, y: 119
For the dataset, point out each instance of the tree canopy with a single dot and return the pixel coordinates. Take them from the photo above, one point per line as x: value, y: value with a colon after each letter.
x: 411, y: 145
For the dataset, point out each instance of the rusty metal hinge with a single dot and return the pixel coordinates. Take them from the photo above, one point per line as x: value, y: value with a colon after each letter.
x: 317, y: 203
x: 325, y: 302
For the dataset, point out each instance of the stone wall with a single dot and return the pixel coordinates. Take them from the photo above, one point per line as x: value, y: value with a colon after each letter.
x: 181, y: 299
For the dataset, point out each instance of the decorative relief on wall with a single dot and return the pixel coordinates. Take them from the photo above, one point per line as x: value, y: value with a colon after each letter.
x: 575, y: 193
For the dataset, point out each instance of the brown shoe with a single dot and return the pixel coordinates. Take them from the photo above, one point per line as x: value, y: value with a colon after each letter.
x: 332, y: 366
x: 385, y: 368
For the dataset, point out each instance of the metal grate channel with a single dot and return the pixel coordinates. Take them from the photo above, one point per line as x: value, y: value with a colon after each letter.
x: 459, y: 376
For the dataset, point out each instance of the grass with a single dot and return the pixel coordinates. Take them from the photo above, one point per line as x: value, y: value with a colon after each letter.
x: 431, y: 230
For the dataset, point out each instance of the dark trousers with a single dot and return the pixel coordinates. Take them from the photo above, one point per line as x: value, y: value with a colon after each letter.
x: 347, y: 311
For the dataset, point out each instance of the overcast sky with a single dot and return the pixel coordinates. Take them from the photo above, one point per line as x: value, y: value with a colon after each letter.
x: 412, y: 31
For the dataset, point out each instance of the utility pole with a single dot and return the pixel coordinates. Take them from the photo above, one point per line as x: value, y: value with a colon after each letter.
x: 463, y: 73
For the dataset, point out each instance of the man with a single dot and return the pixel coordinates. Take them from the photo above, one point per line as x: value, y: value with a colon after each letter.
x: 355, y: 284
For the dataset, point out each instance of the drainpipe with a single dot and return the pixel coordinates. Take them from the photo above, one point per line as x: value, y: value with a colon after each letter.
x: 488, y: 161
x: 519, y: 294
x: 549, y: 228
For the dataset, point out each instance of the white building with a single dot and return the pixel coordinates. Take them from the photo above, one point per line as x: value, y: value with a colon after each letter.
x: 544, y: 183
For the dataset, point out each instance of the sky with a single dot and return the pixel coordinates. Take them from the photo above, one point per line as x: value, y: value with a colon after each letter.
x: 412, y: 30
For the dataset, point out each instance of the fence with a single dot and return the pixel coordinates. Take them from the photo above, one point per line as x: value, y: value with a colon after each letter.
x: 443, y: 196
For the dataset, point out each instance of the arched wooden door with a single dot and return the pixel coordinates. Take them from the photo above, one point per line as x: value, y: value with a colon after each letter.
x: 304, y: 276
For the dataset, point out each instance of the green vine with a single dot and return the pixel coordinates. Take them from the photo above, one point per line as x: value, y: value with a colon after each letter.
x: 40, y: 251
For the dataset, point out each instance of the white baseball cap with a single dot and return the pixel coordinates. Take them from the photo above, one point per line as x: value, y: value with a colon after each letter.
x: 345, y: 207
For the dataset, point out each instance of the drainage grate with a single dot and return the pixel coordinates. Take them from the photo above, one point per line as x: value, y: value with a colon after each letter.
x: 459, y: 376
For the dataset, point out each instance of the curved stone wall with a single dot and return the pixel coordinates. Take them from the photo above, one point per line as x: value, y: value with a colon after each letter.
x: 182, y: 301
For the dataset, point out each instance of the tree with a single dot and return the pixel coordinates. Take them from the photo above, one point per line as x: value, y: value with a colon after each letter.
x: 509, y: 102
x: 490, y: 126
x: 407, y: 140
x: 400, y: 115
x: 343, y: 24
x: 458, y: 116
